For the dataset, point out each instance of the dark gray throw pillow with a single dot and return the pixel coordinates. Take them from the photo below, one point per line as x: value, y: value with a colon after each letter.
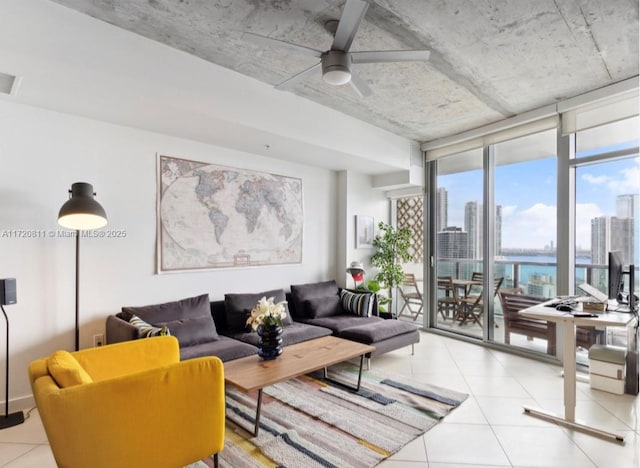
x: 304, y: 292
x: 323, y: 306
x: 237, y: 308
x: 188, y: 319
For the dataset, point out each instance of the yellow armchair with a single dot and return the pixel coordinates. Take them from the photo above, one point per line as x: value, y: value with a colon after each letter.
x: 130, y: 404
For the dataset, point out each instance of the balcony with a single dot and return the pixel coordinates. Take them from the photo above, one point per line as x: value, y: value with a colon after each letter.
x: 536, y: 278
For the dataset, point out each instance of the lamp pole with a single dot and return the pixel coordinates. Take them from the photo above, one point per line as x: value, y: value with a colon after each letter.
x: 77, y: 332
x: 12, y: 419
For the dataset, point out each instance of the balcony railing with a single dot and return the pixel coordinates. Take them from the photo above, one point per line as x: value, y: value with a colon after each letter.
x: 535, y: 278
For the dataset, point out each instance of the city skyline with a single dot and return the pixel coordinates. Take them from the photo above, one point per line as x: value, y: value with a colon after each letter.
x: 529, y: 219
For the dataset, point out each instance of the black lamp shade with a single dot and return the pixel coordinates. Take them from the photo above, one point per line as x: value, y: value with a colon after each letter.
x: 82, y: 211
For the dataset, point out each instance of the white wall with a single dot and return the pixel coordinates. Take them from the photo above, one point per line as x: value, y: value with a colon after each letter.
x: 357, y: 197
x: 42, y: 153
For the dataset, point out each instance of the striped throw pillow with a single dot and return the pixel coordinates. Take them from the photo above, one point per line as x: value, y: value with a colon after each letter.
x: 145, y: 330
x: 358, y: 303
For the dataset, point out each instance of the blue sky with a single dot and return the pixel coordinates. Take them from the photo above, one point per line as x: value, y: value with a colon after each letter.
x: 527, y: 193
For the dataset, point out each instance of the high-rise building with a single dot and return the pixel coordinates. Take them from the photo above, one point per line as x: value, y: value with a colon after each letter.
x: 473, y: 221
x: 442, y: 208
x: 453, y: 242
x: 627, y: 206
x: 611, y: 233
x: 473, y: 226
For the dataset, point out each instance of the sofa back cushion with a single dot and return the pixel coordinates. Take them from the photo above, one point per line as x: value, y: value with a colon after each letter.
x: 66, y: 370
x: 238, y: 308
x: 328, y: 306
x: 309, y: 292
x: 188, y: 319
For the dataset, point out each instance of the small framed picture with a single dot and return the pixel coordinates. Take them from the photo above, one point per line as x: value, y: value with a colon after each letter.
x: 364, y: 232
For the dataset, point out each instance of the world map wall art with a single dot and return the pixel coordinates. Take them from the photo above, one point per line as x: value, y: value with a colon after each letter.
x: 212, y: 216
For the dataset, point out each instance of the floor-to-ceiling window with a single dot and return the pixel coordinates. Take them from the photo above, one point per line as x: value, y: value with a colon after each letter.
x: 607, y: 188
x: 532, y: 205
x: 525, y: 225
x: 607, y: 173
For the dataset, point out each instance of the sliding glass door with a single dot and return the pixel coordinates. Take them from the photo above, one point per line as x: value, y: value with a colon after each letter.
x: 459, y: 242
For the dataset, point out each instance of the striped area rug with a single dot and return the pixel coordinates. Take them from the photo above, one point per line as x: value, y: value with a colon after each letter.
x: 310, y: 422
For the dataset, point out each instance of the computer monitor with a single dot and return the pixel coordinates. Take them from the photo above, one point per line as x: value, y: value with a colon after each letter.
x: 616, y: 274
x: 633, y: 299
x: 616, y: 281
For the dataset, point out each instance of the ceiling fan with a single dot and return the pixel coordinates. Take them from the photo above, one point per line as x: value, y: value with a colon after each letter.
x: 336, y: 62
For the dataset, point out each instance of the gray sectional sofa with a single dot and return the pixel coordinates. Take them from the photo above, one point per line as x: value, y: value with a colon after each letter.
x: 218, y: 328
x: 315, y: 304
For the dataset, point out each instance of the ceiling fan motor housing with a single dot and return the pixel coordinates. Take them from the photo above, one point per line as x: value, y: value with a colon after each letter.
x: 336, y: 67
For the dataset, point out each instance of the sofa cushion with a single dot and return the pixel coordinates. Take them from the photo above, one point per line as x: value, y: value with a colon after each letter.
x: 338, y: 323
x: 323, y: 306
x: 292, y: 334
x: 305, y: 292
x: 371, y: 333
x: 224, y: 348
x: 357, y: 303
x: 188, y: 319
x: 238, y: 308
x: 66, y: 370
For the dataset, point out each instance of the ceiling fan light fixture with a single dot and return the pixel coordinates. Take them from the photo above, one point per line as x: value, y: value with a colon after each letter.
x: 336, y: 67
x: 337, y: 76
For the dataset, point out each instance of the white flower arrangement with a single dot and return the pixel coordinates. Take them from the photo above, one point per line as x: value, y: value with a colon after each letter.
x: 266, y: 312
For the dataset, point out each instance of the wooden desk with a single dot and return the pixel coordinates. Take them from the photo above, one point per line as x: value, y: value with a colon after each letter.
x: 568, y: 323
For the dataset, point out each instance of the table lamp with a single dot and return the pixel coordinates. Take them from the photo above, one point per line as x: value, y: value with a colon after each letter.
x: 356, y: 270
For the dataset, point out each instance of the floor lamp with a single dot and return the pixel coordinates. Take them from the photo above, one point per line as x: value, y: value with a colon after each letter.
x: 8, y: 296
x: 82, y: 213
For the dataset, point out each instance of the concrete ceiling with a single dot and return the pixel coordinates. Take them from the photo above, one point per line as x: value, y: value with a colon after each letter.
x: 490, y: 59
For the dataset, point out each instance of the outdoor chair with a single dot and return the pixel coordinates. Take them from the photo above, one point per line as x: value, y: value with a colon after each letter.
x: 472, y: 306
x: 411, y: 296
x: 448, y: 302
x: 513, y: 301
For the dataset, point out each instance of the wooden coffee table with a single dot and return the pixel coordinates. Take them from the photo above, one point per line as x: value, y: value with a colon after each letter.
x: 252, y: 373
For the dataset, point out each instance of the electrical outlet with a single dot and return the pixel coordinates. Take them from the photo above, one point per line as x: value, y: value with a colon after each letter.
x: 98, y: 340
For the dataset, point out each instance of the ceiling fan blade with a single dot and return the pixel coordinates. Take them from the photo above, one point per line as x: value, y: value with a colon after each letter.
x: 288, y: 84
x: 361, y: 87
x: 390, y: 56
x: 352, y: 14
x: 267, y: 41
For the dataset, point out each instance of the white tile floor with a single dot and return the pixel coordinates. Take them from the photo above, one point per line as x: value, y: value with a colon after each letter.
x: 488, y: 429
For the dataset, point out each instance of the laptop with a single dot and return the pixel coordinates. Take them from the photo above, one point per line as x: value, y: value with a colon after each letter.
x: 594, y: 292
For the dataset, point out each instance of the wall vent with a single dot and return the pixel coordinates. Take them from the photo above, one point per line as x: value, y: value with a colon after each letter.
x: 6, y: 83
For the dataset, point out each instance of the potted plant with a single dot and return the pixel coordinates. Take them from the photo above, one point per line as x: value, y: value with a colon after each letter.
x: 374, y: 287
x: 392, y: 249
